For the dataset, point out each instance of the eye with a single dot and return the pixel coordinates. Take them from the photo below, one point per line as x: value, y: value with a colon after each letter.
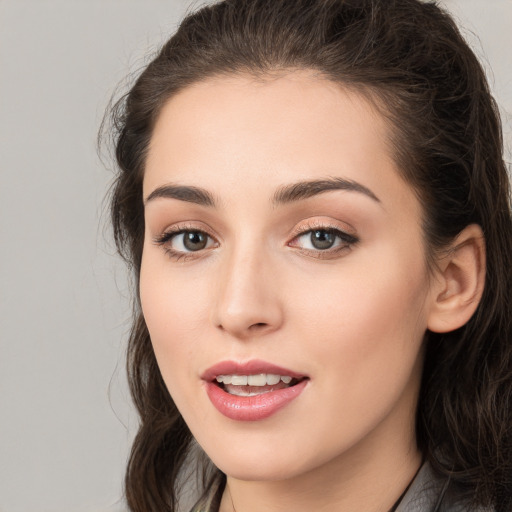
x: 323, y: 240
x: 190, y: 241
x: 182, y: 242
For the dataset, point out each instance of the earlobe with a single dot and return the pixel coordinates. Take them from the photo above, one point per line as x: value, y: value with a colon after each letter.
x: 459, y: 282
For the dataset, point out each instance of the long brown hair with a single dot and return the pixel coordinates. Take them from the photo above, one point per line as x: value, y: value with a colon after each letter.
x: 409, y: 57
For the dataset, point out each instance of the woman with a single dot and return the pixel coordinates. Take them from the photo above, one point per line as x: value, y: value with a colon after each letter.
x: 313, y: 198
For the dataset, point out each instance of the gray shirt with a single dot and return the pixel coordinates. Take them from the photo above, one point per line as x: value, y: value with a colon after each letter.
x: 429, y: 493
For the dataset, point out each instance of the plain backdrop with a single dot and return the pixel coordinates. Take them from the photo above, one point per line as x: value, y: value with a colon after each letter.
x: 66, y: 421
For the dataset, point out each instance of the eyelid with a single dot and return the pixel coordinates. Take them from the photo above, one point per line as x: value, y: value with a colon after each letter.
x: 181, y: 227
x: 327, y: 224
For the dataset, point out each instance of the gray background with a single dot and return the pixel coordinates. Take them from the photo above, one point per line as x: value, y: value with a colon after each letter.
x: 66, y: 421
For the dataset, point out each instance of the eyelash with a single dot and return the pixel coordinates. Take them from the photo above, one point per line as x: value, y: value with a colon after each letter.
x: 347, y: 241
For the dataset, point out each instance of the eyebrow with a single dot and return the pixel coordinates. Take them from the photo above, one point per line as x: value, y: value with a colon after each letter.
x: 286, y: 194
x: 183, y: 193
x: 307, y: 189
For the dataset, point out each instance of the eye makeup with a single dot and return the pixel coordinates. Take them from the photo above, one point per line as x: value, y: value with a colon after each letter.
x: 315, y: 238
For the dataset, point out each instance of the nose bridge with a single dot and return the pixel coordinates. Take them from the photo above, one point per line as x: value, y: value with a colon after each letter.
x: 247, y: 301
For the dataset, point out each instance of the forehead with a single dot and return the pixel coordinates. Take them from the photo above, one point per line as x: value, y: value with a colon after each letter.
x: 238, y: 133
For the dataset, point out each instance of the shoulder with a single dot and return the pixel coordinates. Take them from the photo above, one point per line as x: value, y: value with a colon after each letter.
x: 431, y: 493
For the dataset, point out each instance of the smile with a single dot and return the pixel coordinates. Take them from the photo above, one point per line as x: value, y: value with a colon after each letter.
x: 253, y: 385
x: 246, y: 392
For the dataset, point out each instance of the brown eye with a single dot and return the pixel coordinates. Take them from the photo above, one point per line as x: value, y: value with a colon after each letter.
x: 322, y: 239
x: 185, y: 241
x: 194, y: 240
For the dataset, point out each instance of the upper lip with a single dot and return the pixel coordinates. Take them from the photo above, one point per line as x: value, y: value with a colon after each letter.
x: 252, y: 367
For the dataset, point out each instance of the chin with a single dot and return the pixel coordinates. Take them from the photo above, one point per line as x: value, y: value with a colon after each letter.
x: 262, y: 461
x: 261, y: 471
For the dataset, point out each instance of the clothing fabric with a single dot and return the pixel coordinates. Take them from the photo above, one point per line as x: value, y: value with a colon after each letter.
x: 429, y: 493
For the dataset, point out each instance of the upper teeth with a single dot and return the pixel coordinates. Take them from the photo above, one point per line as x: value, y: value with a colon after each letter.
x: 262, y: 379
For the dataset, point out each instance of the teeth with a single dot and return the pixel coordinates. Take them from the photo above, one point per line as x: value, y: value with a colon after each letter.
x: 240, y: 391
x: 272, y: 380
x: 257, y: 380
x: 239, y: 380
x: 261, y: 379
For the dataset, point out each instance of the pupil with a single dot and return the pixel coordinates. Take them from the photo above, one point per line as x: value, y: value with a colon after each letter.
x: 194, y: 240
x: 322, y: 239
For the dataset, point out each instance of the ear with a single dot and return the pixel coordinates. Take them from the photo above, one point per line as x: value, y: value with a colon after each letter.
x: 459, y: 283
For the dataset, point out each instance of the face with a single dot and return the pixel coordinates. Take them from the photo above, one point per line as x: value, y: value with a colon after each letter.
x: 283, y: 256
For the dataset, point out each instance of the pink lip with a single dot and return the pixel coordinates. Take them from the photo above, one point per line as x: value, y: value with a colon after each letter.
x: 253, y: 408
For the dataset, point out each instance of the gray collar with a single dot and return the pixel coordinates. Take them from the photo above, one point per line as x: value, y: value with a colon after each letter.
x: 431, y: 493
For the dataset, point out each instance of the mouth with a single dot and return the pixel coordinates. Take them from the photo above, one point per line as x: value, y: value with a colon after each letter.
x: 252, y: 391
x: 255, y: 384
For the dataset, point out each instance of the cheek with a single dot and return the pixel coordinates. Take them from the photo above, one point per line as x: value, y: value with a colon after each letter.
x: 173, y: 309
x: 363, y: 336
x: 368, y: 319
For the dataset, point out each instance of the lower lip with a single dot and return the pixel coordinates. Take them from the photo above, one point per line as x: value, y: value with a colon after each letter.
x: 252, y: 408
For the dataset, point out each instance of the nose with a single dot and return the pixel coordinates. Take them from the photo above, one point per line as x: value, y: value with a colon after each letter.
x: 248, y: 303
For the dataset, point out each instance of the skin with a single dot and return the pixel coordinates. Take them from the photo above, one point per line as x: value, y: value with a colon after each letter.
x: 352, y: 318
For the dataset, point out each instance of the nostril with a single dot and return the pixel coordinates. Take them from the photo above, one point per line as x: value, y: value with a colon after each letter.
x: 257, y: 326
